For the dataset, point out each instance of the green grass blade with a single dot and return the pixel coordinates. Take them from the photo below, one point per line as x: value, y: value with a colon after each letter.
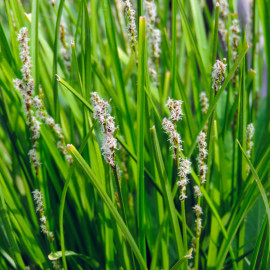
x: 55, y: 58
x: 182, y: 260
x: 14, y: 249
x: 260, y: 187
x: 259, y: 248
x: 34, y: 41
x: 140, y: 138
x: 88, y: 171
x: 59, y: 254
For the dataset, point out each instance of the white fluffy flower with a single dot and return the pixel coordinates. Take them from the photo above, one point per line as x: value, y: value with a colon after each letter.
x: 197, y: 191
x: 204, y: 102
x: 202, y: 156
x: 218, y: 74
x: 174, y: 136
x: 198, y: 210
x: 175, y: 109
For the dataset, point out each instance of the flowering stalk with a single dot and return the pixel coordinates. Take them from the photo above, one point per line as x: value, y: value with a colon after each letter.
x: 40, y: 209
x: 109, y: 144
x: 197, y: 189
x: 250, y: 134
x: 150, y: 14
x: 38, y: 199
x: 101, y: 113
x: 33, y: 105
x: 222, y: 29
x: 154, y: 36
x: 183, y: 165
x: 132, y: 32
x: 26, y: 89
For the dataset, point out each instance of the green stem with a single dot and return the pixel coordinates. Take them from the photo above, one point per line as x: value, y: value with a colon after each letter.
x: 183, y: 213
x: 197, y: 238
x: 183, y: 210
x: 140, y: 139
x: 173, y: 61
x: 123, y: 213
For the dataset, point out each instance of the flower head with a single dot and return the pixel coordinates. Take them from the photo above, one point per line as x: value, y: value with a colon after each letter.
x: 156, y: 43
x: 184, y: 170
x: 175, y: 109
x: 202, y: 156
x: 198, y: 210
x: 218, y: 74
x: 197, y: 191
x: 131, y: 16
x: 250, y: 135
x: 101, y: 113
x: 204, y: 102
x: 174, y: 136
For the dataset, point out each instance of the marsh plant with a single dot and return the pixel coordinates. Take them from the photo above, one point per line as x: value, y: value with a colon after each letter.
x: 134, y: 134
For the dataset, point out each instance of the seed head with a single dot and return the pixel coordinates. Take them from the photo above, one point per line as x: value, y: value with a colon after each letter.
x: 204, y: 102
x: 197, y: 191
x: 175, y: 109
x: 156, y: 43
x: 198, y: 210
x: 130, y: 14
x: 218, y: 74
x: 202, y: 156
x: 174, y: 136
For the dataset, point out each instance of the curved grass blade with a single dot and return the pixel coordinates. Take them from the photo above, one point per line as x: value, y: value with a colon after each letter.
x: 88, y: 171
x: 55, y: 52
x: 260, y: 186
x: 182, y: 260
x: 158, y: 243
x: 236, y: 218
x: 63, y: 198
x: 34, y: 40
x: 260, y: 246
x: 58, y: 255
x: 10, y: 234
x: 190, y: 38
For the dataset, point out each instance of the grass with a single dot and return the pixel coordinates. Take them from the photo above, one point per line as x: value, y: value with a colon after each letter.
x: 117, y: 206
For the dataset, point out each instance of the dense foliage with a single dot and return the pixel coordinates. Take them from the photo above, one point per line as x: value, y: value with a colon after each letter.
x: 134, y: 134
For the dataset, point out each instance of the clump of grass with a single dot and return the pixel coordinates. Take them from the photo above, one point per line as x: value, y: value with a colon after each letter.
x: 128, y: 195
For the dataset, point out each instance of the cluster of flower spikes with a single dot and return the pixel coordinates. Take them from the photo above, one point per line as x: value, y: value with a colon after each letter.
x: 102, y: 114
x: 169, y: 126
x: 33, y: 105
x: 219, y: 69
